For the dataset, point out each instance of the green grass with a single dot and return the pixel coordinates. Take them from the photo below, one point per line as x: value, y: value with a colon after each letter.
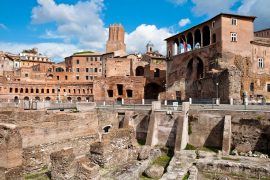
x: 163, y: 160
x: 186, y: 177
x: 209, y: 149
x: 142, y: 177
x: 41, y: 175
x: 190, y: 147
x: 83, y: 52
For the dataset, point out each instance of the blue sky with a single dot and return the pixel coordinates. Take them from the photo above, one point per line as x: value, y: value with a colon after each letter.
x: 60, y: 27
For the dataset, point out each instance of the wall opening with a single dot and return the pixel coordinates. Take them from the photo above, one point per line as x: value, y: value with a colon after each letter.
x: 129, y: 93
x: 110, y: 93
x: 120, y: 89
x: 190, y: 41
x: 106, y: 129
x: 195, y: 69
x: 197, y: 39
x: 206, y: 36
x: 156, y: 72
x: 152, y: 90
x: 139, y: 71
x: 214, y: 38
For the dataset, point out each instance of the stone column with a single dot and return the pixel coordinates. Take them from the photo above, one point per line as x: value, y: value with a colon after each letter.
x: 227, y: 135
x: 10, y: 152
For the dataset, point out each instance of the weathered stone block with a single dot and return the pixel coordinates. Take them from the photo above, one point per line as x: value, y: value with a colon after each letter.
x: 63, y: 164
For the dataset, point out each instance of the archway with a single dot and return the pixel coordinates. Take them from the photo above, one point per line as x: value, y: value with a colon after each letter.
x: 176, y: 47
x: 79, y: 99
x: 139, y: 71
x: 206, y: 36
x: 16, y: 99
x: 26, y: 98
x: 37, y: 98
x: 195, y: 69
x: 197, y: 39
x: 47, y: 99
x: 190, y: 41
x: 69, y: 99
x: 152, y: 90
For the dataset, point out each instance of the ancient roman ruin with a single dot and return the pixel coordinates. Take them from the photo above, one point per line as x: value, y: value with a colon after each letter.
x: 200, y: 112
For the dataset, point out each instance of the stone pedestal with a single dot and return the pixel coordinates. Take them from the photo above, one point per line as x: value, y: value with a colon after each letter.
x: 156, y: 105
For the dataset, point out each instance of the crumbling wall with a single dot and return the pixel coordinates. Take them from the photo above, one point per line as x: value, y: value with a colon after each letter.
x: 43, y: 133
x: 206, y: 128
x: 10, y: 152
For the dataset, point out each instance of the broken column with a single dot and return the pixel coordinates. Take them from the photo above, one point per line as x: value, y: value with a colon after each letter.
x: 227, y: 135
x: 63, y: 164
x: 10, y: 152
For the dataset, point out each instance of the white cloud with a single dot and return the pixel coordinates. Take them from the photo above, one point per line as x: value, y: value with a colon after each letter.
x: 2, y: 26
x: 80, y: 23
x: 259, y: 8
x: 212, y: 7
x: 53, y: 50
x: 184, y: 22
x: 136, y: 41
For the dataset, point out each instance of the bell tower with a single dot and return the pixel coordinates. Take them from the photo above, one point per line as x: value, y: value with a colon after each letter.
x: 116, y: 39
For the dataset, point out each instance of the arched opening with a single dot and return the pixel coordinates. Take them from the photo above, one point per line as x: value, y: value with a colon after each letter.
x: 87, y: 99
x: 16, y: 90
x: 152, y: 90
x: 21, y: 90
x: 183, y: 44
x: 197, y: 39
x: 190, y: 44
x: 69, y: 99
x: 106, y: 129
x: 50, y: 76
x: 79, y: 99
x: 139, y: 71
x: 206, y: 36
x: 26, y: 90
x: 176, y: 47
x: 26, y: 98
x: 37, y: 98
x: 195, y: 69
x: 214, y: 38
x: 47, y: 99
x: 59, y: 69
x: 16, y: 99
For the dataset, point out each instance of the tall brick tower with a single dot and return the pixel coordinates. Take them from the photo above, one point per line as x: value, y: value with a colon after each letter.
x: 116, y: 39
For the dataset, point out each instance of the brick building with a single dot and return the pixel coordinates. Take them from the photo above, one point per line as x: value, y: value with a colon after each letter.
x: 219, y: 58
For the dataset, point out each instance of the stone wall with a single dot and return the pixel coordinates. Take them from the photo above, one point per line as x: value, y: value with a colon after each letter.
x: 43, y: 133
x: 247, y: 127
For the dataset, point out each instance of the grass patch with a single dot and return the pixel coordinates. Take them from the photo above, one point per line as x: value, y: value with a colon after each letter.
x: 162, y: 160
x: 141, y: 142
x: 230, y: 159
x: 259, y: 118
x: 209, y: 149
x: 43, y: 174
x: 189, y: 128
x: 190, y: 147
x: 186, y: 177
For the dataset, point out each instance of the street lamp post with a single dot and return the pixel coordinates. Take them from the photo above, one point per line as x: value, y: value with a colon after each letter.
x: 217, y: 101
